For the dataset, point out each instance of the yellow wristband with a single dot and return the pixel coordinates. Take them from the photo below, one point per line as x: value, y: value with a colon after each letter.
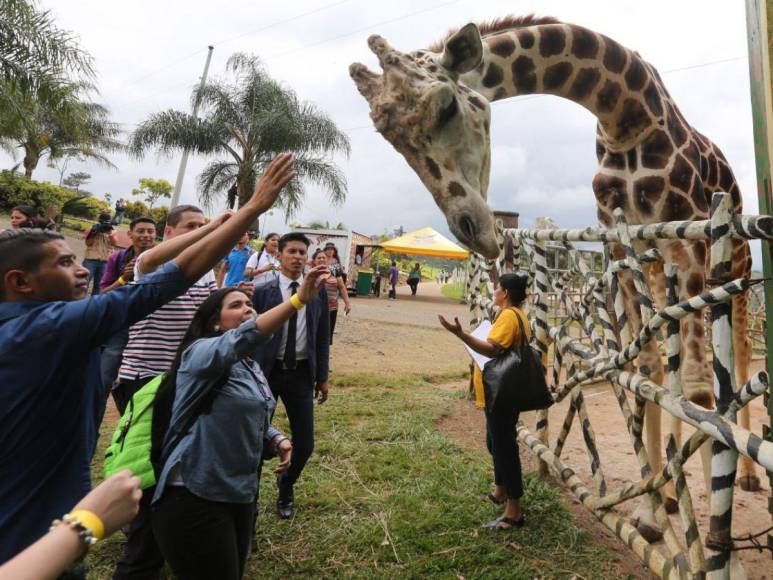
x: 121, y: 281
x: 90, y: 521
x: 296, y: 301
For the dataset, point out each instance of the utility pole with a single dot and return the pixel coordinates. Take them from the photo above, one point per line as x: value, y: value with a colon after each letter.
x: 178, y: 184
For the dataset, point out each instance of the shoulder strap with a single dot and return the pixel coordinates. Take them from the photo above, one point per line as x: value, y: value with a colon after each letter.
x: 524, y: 336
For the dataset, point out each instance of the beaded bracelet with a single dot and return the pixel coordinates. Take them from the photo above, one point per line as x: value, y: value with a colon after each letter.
x: 85, y: 534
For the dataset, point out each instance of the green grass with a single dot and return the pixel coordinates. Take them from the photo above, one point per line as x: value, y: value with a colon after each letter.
x: 387, y: 495
x: 453, y: 291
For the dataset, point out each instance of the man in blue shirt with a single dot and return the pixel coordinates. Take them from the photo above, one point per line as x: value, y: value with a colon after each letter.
x: 51, y: 398
x: 234, y: 264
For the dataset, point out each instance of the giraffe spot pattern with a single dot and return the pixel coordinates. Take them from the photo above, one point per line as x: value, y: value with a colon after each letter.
x: 615, y: 56
x: 502, y: 46
x: 494, y: 76
x: 455, y: 189
x: 524, y: 76
x: 695, y: 285
x: 614, y: 160
x: 501, y: 93
x: 698, y: 195
x: 656, y: 150
x: 606, y: 98
x: 699, y: 251
x: 611, y: 192
x: 600, y: 150
x: 633, y: 119
x: 552, y: 40
x: 525, y: 38
x: 432, y: 167
x: 476, y: 102
x: 647, y: 191
x: 676, y: 207
x: 584, y: 83
x: 584, y: 43
x: 652, y: 99
x: 681, y: 174
x: 555, y: 75
x: 635, y: 76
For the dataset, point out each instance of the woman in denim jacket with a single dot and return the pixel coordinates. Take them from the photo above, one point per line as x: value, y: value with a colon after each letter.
x: 203, y: 507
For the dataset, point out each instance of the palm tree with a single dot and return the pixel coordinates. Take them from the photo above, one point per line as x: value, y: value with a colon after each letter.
x: 55, y: 120
x: 31, y: 46
x: 248, y: 122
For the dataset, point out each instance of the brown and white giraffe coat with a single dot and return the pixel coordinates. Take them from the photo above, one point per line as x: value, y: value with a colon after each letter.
x: 433, y: 107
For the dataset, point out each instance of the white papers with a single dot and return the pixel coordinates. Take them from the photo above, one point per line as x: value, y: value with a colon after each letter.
x: 482, y: 333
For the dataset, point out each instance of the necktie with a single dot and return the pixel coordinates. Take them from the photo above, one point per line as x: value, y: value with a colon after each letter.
x: 292, y: 330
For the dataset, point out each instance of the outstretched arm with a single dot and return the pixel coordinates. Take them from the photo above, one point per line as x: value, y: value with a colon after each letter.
x: 197, y: 259
x: 484, y: 347
x: 170, y: 249
x: 270, y: 321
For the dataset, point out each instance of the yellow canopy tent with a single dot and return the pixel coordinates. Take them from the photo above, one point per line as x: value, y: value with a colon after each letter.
x: 426, y: 242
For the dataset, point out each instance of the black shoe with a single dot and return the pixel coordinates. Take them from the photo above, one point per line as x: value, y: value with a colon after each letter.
x: 285, y: 506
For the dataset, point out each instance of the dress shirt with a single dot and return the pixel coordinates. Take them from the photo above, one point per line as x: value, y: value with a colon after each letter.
x: 301, y: 346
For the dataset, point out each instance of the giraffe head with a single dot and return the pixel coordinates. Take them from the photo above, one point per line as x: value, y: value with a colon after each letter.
x: 439, y: 125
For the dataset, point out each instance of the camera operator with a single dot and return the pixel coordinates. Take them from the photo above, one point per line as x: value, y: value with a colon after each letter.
x: 98, y: 249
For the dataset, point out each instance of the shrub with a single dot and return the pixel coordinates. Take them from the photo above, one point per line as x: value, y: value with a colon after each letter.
x: 135, y: 209
x: 47, y: 198
x: 159, y: 215
x: 87, y: 207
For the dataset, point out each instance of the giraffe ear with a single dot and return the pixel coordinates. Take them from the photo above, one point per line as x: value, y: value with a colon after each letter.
x: 463, y: 51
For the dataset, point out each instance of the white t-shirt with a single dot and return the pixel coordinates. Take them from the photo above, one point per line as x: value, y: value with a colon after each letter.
x: 265, y: 259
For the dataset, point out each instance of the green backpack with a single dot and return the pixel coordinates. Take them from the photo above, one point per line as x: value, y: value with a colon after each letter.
x: 130, y: 447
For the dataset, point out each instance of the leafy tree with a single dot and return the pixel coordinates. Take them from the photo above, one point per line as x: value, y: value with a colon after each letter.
x: 248, y: 122
x: 135, y: 209
x: 58, y: 121
x: 75, y: 180
x: 153, y: 189
x: 33, y: 47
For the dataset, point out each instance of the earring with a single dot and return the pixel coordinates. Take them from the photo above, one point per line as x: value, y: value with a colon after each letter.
x: 217, y: 328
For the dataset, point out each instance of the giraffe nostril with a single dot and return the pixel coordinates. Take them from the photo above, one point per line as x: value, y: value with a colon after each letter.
x: 467, y: 228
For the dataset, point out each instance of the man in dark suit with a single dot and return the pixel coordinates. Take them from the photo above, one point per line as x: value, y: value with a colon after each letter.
x: 296, y: 359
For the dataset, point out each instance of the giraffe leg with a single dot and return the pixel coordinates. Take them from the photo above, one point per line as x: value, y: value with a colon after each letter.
x: 747, y: 478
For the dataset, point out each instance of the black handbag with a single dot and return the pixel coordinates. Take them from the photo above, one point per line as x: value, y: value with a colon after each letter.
x: 515, y: 380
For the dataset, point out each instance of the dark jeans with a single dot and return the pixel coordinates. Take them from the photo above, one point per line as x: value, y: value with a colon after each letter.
x: 124, y: 391
x: 333, y: 318
x: 96, y: 269
x: 112, y: 354
x: 296, y: 392
x: 414, y: 284
x: 202, y: 539
x: 393, y: 291
x: 502, y: 443
x: 141, y: 560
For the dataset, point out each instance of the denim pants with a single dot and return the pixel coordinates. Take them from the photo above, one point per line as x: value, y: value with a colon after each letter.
x: 96, y: 269
x: 294, y: 389
x: 502, y: 443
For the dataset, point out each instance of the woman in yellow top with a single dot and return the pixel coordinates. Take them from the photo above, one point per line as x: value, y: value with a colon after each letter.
x: 501, y: 437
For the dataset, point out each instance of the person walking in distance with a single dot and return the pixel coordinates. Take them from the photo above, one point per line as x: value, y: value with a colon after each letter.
x: 296, y: 359
x: 414, y: 278
x: 394, y: 277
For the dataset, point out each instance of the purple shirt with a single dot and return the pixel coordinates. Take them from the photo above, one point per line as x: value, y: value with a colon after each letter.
x: 115, y: 265
x: 394, y: 275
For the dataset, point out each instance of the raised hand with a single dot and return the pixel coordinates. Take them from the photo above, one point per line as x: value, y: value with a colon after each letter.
x: 455, y: 328
x: 312, y: 282
x: 222, y: 218
x: 278, y: 174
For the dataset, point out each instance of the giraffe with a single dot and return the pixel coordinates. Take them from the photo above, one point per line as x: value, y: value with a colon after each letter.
x: 433, y: 106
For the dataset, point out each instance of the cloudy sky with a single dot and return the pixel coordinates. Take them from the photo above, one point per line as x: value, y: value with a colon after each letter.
x: 149, y: 54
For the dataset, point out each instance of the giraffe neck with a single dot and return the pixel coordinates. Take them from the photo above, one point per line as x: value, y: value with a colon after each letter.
x: 614, y: 83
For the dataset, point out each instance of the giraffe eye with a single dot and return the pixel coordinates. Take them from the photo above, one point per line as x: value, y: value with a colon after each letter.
x: 447, y: 113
